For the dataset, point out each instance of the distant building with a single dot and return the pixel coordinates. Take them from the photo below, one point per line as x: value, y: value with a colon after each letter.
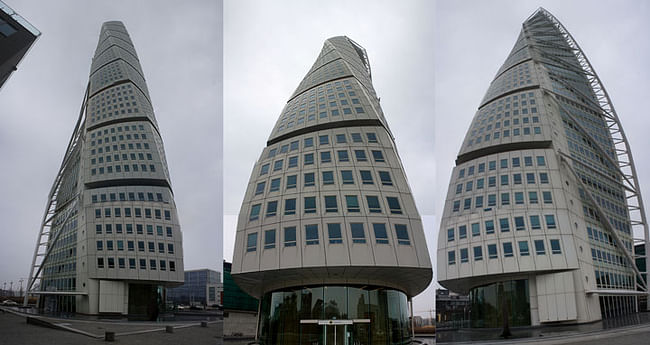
x: 202, y: 288
x: 234, y: 297
x: 16, y: 37
x: 452, y: 309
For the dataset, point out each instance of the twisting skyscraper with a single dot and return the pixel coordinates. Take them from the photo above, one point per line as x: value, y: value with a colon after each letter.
x: 328, y: 236
x: 110, y: 238
x: 543, y: 204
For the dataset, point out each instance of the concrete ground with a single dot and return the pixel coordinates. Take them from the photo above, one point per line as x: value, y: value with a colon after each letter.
x: 15, y: 330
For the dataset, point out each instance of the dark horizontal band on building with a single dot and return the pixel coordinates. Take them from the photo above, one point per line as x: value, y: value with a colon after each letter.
x: 123, y: 120
x: 490, y: 150
x: 150, y: 182
x: 525, y: 88
x: 325, y: 126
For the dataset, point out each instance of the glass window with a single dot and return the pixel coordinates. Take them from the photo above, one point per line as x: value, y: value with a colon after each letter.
x: 519, y: 223
x: 356, y: 137
x: 255, y: 212
x: 402, y: 234
x: 476, y: 229
x: 251, y: 243
x: 293, y: 161
x: 271, y: 209
x: 555, y: 247
x: 548, y: 199
x: 352, y: 203
x: 289, y: 206
x: 372, y: 137
x: 331, y: 204
x: 393, y: 204
x: 308, y: 159
x: 309, y: 179
x: 516, y: 178
x: 277, y: 165
x: 290, y: 236
x: 530, y: 178
x: 343, y: 155
x: 450, y: 234
x: 275, y: 185
x: 464, y: 255
x: 456, y: 206
x: 462, y: 231
x: 540, y: 161
x: 492, y: 181
x: 292, y: 181
x: 340, y: 138
x: 358, y: 234
x: 550, y: 221
x: 504, y: 180
x: 534, y: 222
x: 504, y: 224
x: 323, y: 139
x: 378, y: 156
x: 308, y: 142
x: 507, y: 249
x: 543, y: 178
x: 325, y: 157
x: 480, y: 183
x: 361, y: 155
x: 489, y: 226
x: 492, y: 251
x: 523, y: 248
x: 532, y: 197
x: 478, y: 202
x: 347, y: 177
x: 504, y: 163
x: 515, y: 162
x: 260, y: 188
x: 310, y: 204
x: 269, y: 239
x: 519, y: 198
x: 451, y: 257
x: 334, y: 233
x: 492, y: 199
x: 528, y: 161
x: 505, y: 199
x: 366, y: 176
x: 539, y: 247
x: 373, y: 204
x: 478, y: 253
x: 311, y: 234
x: 467, y: 204
x: 381, y: 235
x: 328, y: 177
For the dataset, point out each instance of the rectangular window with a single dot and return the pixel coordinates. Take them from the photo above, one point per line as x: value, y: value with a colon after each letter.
x: 480, y: 183
x: 530, y: 178
x: 334, y: 233
x: 358, y: 234
x: 373, y: 204
x: 169, y: 231
x: 492, y: 251
x: 143, y: 264
x: 378, y: 156
x: 100, y: 262
x: 255, y: 212
x: 489, y: 226
x: 170, y: 248
x: 289, y: 206
x: 293, y: 161
x: 161, y: 247
x: 360, y: 155
x: 347, y: 177
x: 366, y: 177
x: 310, y: 204
x: 456, y: 206
x: 100, y: 245
x: 356, y: 137
x: 308, y: 159
x: 277, y: 165
x: 515, y: 162
x: 523, y: 248
x: 543, y: 178
x: 539, y: 247
x: 504, y: 164
x: 141, y: 246
x: 372, y: 137
x: 343, y: 155
x: 152, y: 264
x: 462, y: 231
x: 528, y: 161
x: 492, y: 165
x: 323, y: 139
x: 467, y: 204
x: 328, y: 177
x: 310, y: 179
x: 152, y: 247
x: 325, y: 157
x: 271, y: 209
x: 251, y: 242
x: 520, y: 224
x: 130, y: 245
x: 381, y: 236
x: 548, y: 198
x: 308, y: 142
x: 275, y: 185
x: 519, y: 198
x: 555, y: 247
x: 532, y: 198
x: 451, y: 257
x: 504, y: 224
x: 402, y: 234
x: 269, y: 239
x: 478, y: 201
x: 534, y: 223
x: 492, y: 199
x: 507, y: 249
x: 330, y: 204
x: 492, y: 181
x: 505, y: 199
x: 120, y: 245
x: 464, y: 255
x: 132, y: 263
x: 352, y: 203
x: 476, y: 229
x: 504, y: 180
x: 550, y: 221
x: 260, y: 188
x: 290, y: 236
x: 450, y: 235
x: 516, y: 178
x: 393, y: 204
x: 311, y: 234
x: 540, y: 161
x: 468, y: 186
x: 340, y: 139
x: 478, y: 253
x: 292, y: 181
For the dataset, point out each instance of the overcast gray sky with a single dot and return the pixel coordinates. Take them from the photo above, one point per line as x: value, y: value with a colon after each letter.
x: 432, y: 63
x: 180, y: 50
x: 473, y: 39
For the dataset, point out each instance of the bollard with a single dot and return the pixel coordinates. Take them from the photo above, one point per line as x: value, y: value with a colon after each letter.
x: 109, y: 336
x: 169, y: 329
x: 204, y: 324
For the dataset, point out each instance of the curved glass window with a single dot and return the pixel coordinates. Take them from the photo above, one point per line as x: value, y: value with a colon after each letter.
x: 306, y: 315
x: 491, y: 303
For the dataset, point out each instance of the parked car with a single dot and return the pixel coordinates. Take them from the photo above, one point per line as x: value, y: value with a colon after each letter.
x: 9, y: 302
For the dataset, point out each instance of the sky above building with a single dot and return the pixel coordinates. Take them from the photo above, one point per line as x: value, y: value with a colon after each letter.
x: 180, y: 51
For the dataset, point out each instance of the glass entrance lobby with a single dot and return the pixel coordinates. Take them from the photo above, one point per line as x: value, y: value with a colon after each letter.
x: 334, y: 315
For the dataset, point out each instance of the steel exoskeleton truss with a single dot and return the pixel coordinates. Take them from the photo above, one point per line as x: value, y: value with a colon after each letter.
x: 47, y: 237
x: 621, y: 158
